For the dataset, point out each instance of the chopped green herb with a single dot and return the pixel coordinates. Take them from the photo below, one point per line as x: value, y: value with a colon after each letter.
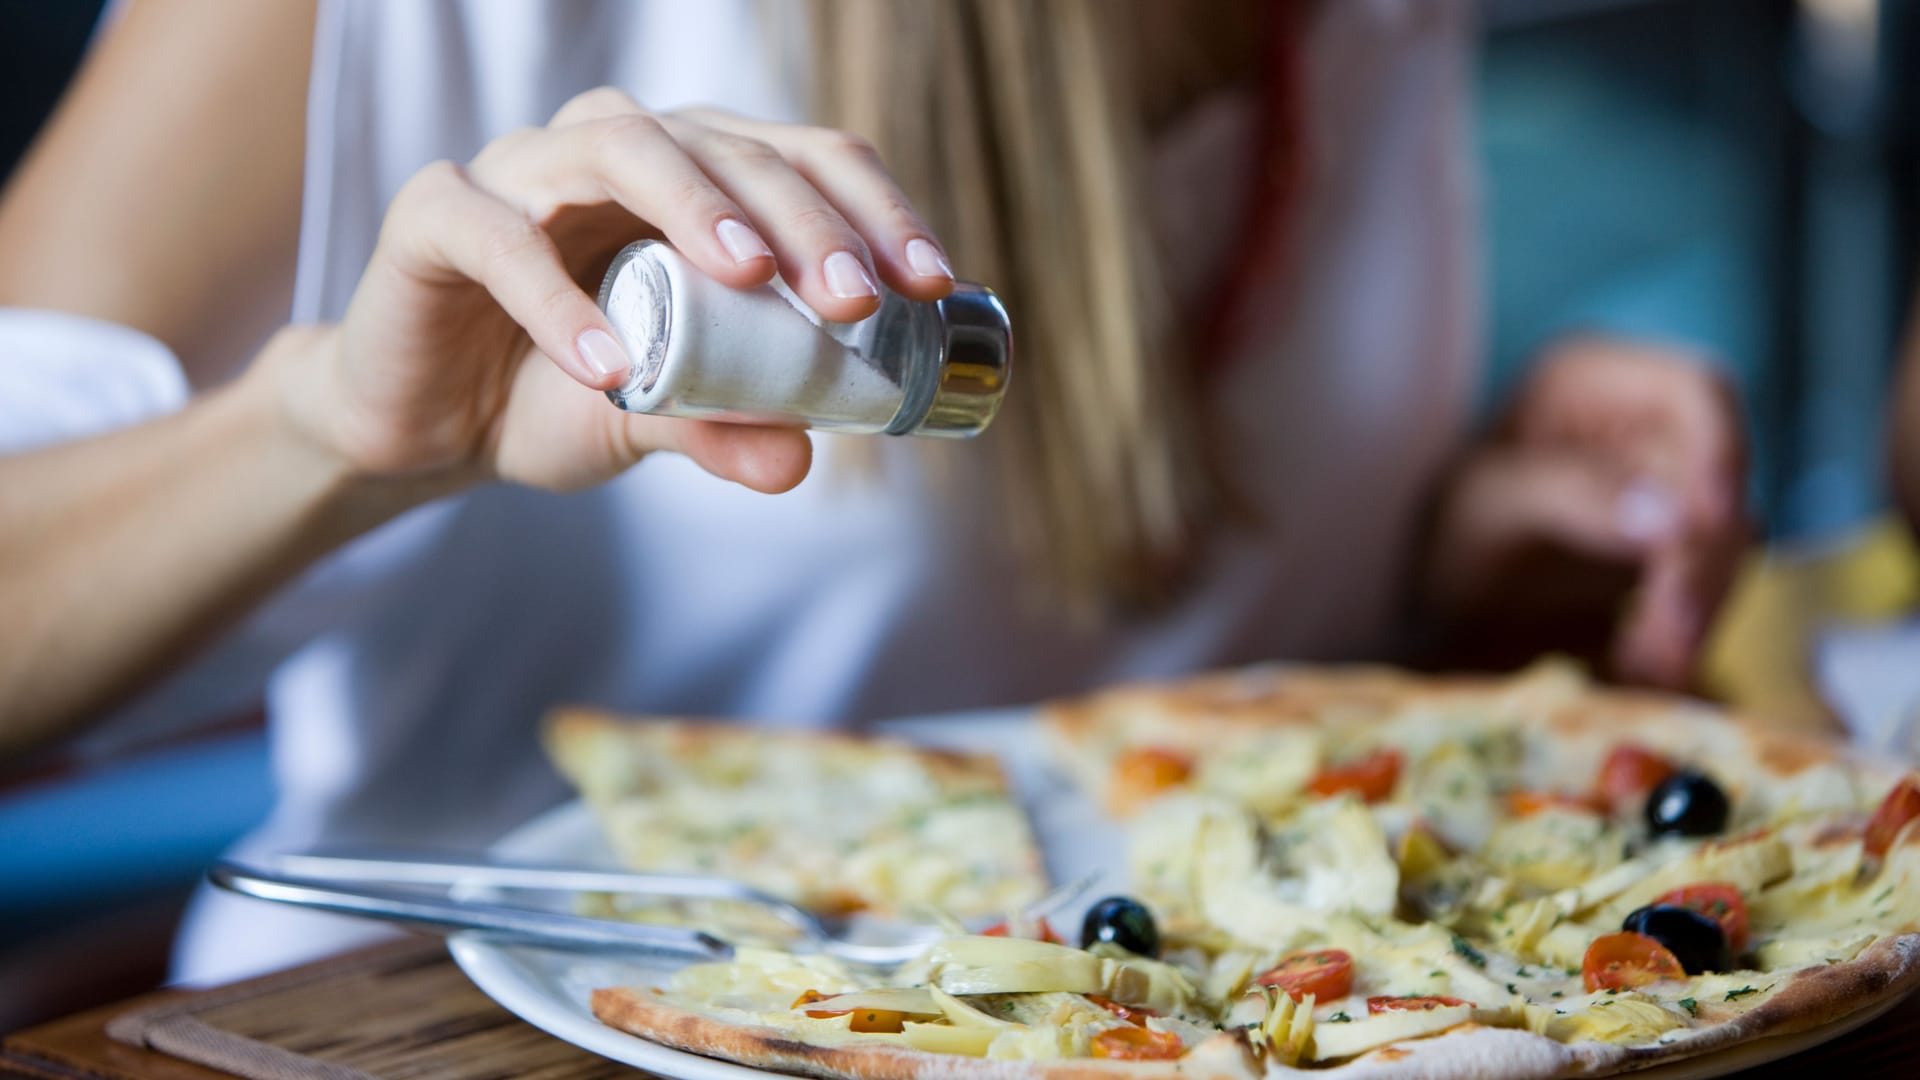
x: 1436, y: 974
x: 1883, y: 894
x: 1340, y: 1018
x: 1557, y: 993
x: 1736, y: 995
x: 1512, y: 989
x: 1467, y: 952
x: 1523, y: 972
x: 1692, y: 1006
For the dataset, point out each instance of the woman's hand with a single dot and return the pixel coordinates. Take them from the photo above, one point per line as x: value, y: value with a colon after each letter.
x: 1605, y: 516
x: 471, y: 348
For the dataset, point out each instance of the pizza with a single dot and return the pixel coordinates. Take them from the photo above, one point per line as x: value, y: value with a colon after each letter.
x: 835, y: 823
x: 1362, y: 872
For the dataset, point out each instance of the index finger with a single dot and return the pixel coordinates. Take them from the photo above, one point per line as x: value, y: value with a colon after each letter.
x: 442, y: 226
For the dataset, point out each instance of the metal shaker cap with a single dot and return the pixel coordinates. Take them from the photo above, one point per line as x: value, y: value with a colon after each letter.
x: 977, y: 359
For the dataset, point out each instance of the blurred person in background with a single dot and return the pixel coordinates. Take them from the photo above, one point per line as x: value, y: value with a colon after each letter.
x: 1238, y: 242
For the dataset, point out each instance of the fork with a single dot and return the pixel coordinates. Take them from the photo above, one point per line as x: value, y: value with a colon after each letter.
x: 348, y: 884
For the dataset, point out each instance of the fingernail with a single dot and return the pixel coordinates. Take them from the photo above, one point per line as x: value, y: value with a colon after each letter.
x: 601, y: 353
x: 927, y: 261
x: 1645, y: 512
x: 846, y: 278
x: 741, y: 242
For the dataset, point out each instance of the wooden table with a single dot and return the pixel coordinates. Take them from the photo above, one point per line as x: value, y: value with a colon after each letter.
x: 405, y: 1010
x: 395, y: 1010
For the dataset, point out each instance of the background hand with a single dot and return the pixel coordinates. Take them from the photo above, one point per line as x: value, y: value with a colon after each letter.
x: 1605, y: 515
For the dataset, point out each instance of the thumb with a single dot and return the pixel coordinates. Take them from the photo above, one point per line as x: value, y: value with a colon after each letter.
x: 1660, y: 632
x: 765, y: 458
x: 1665, y: 628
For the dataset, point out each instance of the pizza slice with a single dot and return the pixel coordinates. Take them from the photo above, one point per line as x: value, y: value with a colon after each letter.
x: 836, y: 823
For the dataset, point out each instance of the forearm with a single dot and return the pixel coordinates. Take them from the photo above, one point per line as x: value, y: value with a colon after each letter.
x: 164, y: 193
x: 121, y: 555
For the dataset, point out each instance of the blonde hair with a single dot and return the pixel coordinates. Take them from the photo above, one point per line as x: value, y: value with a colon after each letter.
x: 1019, y: 127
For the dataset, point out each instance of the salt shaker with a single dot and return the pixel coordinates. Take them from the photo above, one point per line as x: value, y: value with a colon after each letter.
x: 702, y: 349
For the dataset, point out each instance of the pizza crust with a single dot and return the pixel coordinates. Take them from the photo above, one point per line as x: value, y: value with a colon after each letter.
x: 575, y: 737
x: 1885, y: 972
x: 640, y: 1012
x: 1888, y: 970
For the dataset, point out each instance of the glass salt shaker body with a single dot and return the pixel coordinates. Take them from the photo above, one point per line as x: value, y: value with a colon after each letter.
x: 701, y: 349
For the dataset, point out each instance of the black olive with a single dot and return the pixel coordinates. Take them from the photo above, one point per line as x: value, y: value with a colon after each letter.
x: 1695, y: 940
x: 1687, y: 804
x: 1125, y: 922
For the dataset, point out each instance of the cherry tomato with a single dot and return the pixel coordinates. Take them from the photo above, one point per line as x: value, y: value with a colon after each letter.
x: 1626, y: 960
x: 1372, y: 777
x: 1630, y: 772
x: 1137, y: 1044
x: 1325, y: 973
x: 1901, y: 805
x: 1144, y: 772
x: 1411, y: 1004
x: 1132, y: 1014
x: 1719, y: 901
x: 1529, y: 803
x: 886, y: 1021
x: 1047, y: 933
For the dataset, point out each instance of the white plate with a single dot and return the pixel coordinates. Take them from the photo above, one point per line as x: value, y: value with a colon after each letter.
x: 551, y: 990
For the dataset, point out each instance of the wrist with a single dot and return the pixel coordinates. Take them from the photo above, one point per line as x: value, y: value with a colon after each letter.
x: 290, y: 393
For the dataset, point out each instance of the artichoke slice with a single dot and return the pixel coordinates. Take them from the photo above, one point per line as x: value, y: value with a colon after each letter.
x: 1332, y: 1041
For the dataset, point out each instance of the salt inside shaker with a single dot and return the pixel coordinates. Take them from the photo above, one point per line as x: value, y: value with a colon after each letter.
x: 702, y: 349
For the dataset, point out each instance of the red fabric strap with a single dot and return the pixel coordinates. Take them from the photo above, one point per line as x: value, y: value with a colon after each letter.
x: 1280, y: 164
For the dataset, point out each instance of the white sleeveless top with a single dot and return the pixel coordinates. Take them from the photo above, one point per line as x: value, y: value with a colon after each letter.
x: 427, y: 652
